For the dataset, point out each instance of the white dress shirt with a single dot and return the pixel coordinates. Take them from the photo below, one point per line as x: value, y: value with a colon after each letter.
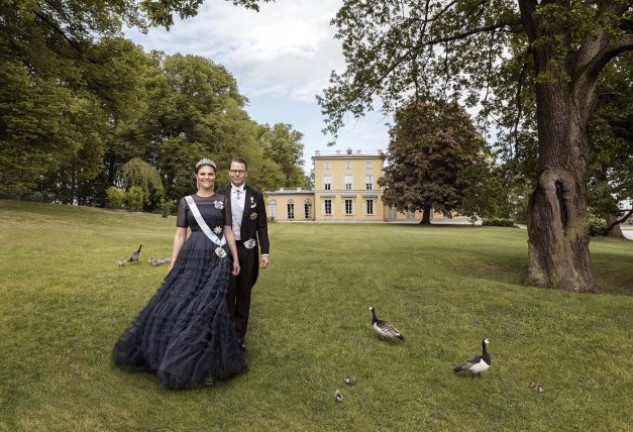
x: 238, y: 198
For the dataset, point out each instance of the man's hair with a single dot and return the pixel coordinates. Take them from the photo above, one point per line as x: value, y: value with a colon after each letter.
x: 239, y: 160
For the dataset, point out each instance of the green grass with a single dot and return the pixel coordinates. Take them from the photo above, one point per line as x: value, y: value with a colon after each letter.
x: 64, y: 302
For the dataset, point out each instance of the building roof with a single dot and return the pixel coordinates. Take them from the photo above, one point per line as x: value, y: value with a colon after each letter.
x: 291, y: 191
x: 349, y: 154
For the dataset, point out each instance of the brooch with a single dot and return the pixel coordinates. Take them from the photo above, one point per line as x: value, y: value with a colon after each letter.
x: 217, y: 229
x: 218, y: 205
x: 253, y: 216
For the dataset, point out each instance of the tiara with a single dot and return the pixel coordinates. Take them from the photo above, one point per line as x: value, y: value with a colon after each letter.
x: 206, y: 161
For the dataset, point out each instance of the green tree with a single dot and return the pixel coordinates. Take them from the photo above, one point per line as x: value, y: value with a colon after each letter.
x: 283, y: 145
x: 611, y: 138
x: 432, y: 142
x: 487, y: 52
x: 195, y: 111
x: 115, y: 198
x: 134, y: 198
x: 485, y: 193
x: 137, y: 172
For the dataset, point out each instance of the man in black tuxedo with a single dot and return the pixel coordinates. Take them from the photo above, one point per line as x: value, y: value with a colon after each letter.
x: 251, y: 233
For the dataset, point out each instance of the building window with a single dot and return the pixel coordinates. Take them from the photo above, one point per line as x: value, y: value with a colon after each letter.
x: 272, y: 209
x: 348, y: 182
x: 327, y: 206
x: 370, y: 204
x: 410, y: 214
x: 369, y: 182
x: 348, y: 165
x: 369, y: 165
x: 327, y: 165
x: 327, y: 182
x: 349, y: 206
x: 307, y: 206
x: 291, y: 209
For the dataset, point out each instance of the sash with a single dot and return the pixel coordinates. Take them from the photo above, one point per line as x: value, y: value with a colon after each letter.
x: 205, y: 228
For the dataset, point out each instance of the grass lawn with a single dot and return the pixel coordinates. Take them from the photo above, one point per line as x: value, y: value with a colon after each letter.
x: 64, y: 302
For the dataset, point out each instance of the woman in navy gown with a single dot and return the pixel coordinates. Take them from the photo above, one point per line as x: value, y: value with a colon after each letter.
x: 185, y: 333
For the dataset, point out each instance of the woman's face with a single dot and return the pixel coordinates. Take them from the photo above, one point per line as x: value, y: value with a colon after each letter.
x: 205, y: 177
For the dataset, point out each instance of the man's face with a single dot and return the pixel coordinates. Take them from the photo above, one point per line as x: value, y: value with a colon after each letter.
x: 237, y: 172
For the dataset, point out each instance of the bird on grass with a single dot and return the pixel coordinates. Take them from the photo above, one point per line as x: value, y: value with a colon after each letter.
x: 135, y: 255
x: 349, y: 380
x: 477, y: 364
x: 338, y: 397
x: 121, y: 262
x: 383, y: 328
x: 537, y: 387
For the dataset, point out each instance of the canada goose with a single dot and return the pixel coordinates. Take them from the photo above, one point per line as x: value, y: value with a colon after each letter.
x: 135, y: 255
x: 383, y: 328
x: 477, y: 364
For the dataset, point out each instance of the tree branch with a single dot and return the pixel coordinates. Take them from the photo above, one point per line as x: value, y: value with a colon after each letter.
x: 609, y: 227
x: 57, y: 30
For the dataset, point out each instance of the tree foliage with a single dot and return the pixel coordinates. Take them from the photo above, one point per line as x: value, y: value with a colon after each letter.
x: 282, y: 144
x: 137, y: 172
x: 432, y: 142
x: 611, y: 137
x: 78, y: 101
x: 489, y: 53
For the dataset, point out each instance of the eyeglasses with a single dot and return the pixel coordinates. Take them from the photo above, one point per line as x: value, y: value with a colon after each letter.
x: 237, y: 171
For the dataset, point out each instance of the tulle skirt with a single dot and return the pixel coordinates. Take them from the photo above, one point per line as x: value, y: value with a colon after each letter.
x: 185, y: 333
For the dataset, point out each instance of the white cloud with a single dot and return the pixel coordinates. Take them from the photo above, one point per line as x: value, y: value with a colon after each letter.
x: 287, y: 49
x: 281, y: 57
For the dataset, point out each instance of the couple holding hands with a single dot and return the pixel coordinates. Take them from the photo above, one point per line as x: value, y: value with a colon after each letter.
x: 192, y: 331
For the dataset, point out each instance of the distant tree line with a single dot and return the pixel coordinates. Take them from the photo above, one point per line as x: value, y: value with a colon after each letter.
x: 82, y: 110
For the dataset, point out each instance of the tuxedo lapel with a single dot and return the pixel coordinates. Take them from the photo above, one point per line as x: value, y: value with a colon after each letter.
x: 247, y: 208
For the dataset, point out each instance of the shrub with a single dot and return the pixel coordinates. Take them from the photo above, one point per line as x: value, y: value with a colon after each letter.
x: 596, y: 224
x: 135, y: 199
x: 166, y: 207
x: 115, y: 198
x: 500, y: 222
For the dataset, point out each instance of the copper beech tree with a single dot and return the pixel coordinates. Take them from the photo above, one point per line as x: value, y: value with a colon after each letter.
x: 432, y: 143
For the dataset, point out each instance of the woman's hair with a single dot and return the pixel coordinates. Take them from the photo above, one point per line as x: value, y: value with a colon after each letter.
x: 205, y: 162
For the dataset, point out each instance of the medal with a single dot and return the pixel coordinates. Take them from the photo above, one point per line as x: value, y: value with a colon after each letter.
x: 220, y: 252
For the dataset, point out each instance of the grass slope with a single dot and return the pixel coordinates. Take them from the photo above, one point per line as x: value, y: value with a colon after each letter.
x: 64, y: 301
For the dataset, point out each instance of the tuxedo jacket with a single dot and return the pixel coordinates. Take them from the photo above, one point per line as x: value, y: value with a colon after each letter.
x: 254, y: 223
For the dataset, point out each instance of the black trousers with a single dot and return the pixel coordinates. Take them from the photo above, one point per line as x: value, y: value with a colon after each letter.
x: 239, y: 293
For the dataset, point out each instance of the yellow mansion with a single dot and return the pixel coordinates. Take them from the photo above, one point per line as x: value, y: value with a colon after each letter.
x: 345, y: 190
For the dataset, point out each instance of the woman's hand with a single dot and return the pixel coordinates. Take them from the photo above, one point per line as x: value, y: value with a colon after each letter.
x: 236, y: 268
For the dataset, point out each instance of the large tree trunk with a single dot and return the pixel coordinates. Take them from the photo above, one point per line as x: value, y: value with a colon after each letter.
x: 426, y: 215
x: 616, y: 231
x: 558, y: 228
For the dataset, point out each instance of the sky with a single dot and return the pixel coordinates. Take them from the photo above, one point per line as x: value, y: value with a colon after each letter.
x: 282, y: 58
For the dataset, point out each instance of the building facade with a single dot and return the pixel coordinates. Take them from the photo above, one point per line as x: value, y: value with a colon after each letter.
x: 345, y: 190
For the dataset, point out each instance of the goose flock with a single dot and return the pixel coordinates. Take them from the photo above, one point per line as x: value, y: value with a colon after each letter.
x: 475, y: 365
x: 136, y: 256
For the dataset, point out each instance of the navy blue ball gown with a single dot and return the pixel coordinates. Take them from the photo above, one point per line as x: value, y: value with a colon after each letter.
x: 185, y: 333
